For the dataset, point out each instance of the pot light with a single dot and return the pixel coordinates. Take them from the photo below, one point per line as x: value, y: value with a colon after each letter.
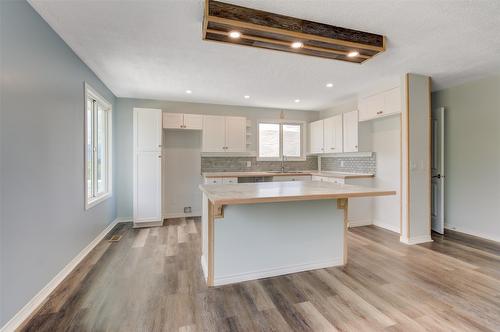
x: 189, y: 92
x: 296, y: 101
x: 235, y: 34
x: 329, y: 85
x: 352, y: 54
x: 246, y: 97
x: 297, y: 44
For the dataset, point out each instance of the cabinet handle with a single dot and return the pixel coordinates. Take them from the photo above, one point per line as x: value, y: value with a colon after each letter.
x: 332, y: 148
x: 356, y: 146
x: 159, y: 156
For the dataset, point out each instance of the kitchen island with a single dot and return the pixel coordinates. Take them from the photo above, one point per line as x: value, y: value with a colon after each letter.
x: 258, y: 230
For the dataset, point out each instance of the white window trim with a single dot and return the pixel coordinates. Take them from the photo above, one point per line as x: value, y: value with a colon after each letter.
x: 284, y: 122
x: 91, y: 202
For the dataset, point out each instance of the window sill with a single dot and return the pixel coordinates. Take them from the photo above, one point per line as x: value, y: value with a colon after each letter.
x: 97, y: 200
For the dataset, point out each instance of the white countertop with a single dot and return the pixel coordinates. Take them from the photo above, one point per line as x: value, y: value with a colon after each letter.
x: 264, y: 192
x: 342, y: 175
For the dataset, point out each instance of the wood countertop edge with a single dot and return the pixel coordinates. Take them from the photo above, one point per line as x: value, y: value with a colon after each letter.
x: 256, y: 200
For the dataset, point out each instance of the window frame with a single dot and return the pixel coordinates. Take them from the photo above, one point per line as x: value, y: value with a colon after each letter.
x: 108, y: 155
x: 281, y: 123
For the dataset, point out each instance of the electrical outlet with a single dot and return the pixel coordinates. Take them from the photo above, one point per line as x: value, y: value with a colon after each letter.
x: 341, y: 163
x: 249, y: 163
x: 187, y: 209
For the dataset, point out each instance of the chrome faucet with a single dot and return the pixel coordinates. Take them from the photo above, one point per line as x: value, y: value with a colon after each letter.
x: 282, y: 163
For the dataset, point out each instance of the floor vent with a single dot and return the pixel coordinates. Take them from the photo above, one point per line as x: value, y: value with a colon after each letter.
x: 115, y: 238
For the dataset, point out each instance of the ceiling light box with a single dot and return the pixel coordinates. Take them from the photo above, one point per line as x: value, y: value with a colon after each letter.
x: 262, y: 29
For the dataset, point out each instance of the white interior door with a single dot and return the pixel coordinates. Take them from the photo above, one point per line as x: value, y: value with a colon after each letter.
x: 437, y: 183
x: 147, y: 165
x: 236, y: 134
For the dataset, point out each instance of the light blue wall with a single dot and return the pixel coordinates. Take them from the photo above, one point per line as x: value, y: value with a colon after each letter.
x: 472, y: 156
x: 43, y: 221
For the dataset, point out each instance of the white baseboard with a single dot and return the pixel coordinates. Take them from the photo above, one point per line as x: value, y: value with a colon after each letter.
x: 182, y: 215
x: 359, y: 222
x: 16, y: 321
x: 472, y: 232
x: 204, y: 267
x: 387, y: 226
x: 416, y: 239
x: 230, y: 279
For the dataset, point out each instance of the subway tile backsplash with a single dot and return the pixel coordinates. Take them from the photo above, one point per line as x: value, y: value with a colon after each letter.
x: 239, y: 164
x: 351, y: 164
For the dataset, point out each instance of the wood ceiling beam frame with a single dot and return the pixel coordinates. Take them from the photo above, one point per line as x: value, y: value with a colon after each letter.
x: 375, y: 42
x: 280, y: 42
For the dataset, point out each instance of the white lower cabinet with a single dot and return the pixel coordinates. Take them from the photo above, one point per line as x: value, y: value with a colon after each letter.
x: 229, y: 180
x: 213, y: 180
x: 284, y: 178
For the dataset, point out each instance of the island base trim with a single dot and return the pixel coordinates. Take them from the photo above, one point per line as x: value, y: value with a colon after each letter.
x: 231, y: 279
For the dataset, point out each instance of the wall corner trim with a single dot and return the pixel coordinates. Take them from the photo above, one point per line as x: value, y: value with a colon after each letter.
x: 416, y: 239
x: 37, y: 300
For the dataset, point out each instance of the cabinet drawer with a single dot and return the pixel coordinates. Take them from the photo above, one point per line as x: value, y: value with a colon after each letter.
x: 229, y: 180
x: 336, y: 180
x: 292, y: 178
x: 213, y: 180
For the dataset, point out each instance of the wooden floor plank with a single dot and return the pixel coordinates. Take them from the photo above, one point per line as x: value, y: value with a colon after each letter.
x: 151, y: 280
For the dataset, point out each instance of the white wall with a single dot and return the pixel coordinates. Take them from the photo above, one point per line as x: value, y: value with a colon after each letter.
x: 181, y: 172
x: 123, y: 132
x: 382, y: 136
x: 472, y: 156
x: 386, y: 138
x: 415, y: 188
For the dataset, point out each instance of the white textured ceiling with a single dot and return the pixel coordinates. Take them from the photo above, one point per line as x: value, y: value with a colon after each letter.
x: 153, y: 49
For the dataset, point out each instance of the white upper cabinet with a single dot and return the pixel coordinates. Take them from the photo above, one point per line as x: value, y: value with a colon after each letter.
x: 392, y: 101
x: 316, y: 137
x: 224, y: 134
x: 214, y: 133
x: 350, y: 120
x: 236, y: 134
x: 182, y: 121
x: 333, y: 134
x: 381, y: 104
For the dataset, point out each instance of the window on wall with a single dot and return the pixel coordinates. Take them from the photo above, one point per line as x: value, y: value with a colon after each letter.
x: 280, y: 139
x: 97, y: 148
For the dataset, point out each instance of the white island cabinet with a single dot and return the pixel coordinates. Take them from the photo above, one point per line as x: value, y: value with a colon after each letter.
x: 259, y: 230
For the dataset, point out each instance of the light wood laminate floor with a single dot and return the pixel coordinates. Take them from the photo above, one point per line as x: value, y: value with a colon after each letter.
x: 151, y: 280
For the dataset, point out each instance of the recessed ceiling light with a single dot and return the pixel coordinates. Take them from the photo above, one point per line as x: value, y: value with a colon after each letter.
x: 352, y: 54
x: 297, y: 44
x: 296, y: 101
x: 329, y: 85
x: 235, y: 34
x: 189, y: 92
x: 246, y: 97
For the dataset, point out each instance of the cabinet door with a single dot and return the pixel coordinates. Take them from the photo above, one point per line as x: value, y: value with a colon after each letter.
x: 147, y: 135
x: 392, y: 101
x: 172, y: 120
x: 350, y: 131
x: 214, y: 133
x: 371, y: 107
x: 316, y: 137
x: 236, y: 134
x: 333, y: 134
x: 193, y: 121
